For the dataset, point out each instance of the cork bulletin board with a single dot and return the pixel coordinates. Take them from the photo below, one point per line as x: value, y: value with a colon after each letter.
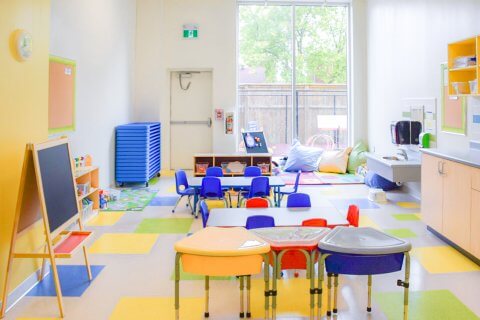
x: 61, y: 99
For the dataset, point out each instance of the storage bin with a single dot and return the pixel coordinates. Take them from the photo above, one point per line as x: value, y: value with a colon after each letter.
x: 460, y: 87
x: 234, y: 167
x: 464, y: 61
x: 264, y: 167
x: 83, y: 188
x: 201, y: 167
x: 473, y: 86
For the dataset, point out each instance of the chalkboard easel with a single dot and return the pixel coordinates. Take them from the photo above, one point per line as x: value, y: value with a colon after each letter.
x: 48, y: 192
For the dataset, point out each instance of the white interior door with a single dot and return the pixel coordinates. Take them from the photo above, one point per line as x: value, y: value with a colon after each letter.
x: 190, y: 117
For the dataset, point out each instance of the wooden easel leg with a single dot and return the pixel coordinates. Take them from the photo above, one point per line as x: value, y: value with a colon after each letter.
x: 85, y: 254
x: 56, y: 280
x: 7, y: 278
x: 42, y: 270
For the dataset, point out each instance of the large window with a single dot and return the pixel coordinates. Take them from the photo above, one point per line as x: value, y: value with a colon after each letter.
x: 293, y: 73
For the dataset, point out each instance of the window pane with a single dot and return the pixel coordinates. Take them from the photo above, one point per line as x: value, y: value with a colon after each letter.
x: 321, y: 75
x: 265, y: 72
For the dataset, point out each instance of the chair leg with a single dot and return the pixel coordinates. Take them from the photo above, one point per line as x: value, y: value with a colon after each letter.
x: 207, y: 298
x: 176, y: 204
x: 242, y: 313
x: 335, y: 293
x: 369, y: 305
x: 329, y: 294
x: 269, y: 201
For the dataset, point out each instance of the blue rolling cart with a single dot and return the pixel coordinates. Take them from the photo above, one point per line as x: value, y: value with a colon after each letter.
x: 137, y: 154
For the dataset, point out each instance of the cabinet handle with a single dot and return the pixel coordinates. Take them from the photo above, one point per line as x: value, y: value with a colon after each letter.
x: 439, y: 167
x: 441, y: 170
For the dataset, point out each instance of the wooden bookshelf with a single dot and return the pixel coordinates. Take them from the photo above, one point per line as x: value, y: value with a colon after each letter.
x: 89, y: 175
x: 466, y: 47
x: 216, y: 160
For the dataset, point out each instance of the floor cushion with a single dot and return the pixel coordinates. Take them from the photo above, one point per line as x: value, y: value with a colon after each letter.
x: 357, y: 157
x: 302, y: 158
x: 334, y: 161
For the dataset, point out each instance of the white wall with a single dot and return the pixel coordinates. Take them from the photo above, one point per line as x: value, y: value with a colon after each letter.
x: 100, y: 37
x: 161, y: 48
x: 406, y: 42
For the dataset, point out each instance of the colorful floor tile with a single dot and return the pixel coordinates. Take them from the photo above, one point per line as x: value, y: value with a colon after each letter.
x: 443, y: 260
x: 424, y: 305
x: 406, y: 217
x: 132, y: 199
x: 168, y: 225
x: 163, y: 201
x: 153, y: 308
x: 366, y: 221
x: 401, y: 233
x: 408, y: 205
x: 172, y: 189
x: 73, y: 281
x: 123, y: 243
x: 343, y: 204
x: 105, y: 219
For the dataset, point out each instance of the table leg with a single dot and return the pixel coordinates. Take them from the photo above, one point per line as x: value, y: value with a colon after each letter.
x: 177, y: 285
x: 321, y: 266
x: 312, y: 284
x: 266, y: 278
x: 242, y: 314
x: 406, y: 286
x: 277, y: 266
x: 195, y: 201
x: 249, y: 286
x: 369, y: 305
x: 329, y: 294
x: 335, y: 292
x: 207, y: 296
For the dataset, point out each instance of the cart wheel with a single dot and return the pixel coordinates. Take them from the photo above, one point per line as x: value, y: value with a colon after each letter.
x: 158, y: 175
x: 146, y: 184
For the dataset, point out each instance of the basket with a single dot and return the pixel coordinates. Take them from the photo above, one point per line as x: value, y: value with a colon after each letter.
x: 233, y: 167
x: 264, y: 167
x: 201, y: 167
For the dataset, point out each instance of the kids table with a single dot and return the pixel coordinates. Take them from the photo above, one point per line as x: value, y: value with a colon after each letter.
x: 223, y: 252
x: 235, y: 182
x: 237, y: 217
x: 362, y: 251
x: 287, y: 239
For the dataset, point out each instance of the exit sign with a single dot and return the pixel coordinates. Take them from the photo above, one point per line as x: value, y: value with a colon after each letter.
x: 190, y: 31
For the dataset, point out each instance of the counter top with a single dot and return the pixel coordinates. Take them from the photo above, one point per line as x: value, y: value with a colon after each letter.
x: 470, y: 157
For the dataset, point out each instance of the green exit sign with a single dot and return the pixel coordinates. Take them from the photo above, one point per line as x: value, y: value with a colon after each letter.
x: 190, y: 31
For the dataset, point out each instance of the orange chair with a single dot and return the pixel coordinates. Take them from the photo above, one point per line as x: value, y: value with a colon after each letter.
x: 257, y: 203
x: 353, y: 215
x: 314, y: 223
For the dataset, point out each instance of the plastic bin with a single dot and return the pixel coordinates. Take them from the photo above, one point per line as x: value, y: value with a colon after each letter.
x: 473, y: 86
x: 460, y: 87
x: 201, y: 167
x: 464, y: 61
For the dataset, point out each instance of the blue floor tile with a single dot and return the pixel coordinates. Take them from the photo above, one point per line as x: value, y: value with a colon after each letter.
x: 73, y: 281
x: 342, y: 204
x: 163, y: 201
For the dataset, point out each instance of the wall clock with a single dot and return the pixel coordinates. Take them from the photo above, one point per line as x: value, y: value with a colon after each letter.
x: 23, y: 45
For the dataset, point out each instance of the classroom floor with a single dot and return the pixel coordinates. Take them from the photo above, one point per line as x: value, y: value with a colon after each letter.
x: 133, y: 258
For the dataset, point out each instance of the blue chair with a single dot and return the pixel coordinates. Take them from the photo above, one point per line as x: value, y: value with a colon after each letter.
x: 298, y: 200
x: 214, y: 172
x: 204, y: 212
x: 288, y: 190
x: 259, y: 188
x: 257, y: 222
x: 183, y: 190
x: 212, y: 189
x: 252, y: 171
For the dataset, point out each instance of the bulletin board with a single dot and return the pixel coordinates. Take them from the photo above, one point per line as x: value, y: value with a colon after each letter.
x: 454, y: 109
x: 61, y: 98
x: 255, y: 142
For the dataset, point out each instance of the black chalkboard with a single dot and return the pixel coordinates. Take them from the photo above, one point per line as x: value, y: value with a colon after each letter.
x: 58, y: 186
x: 255, y: 142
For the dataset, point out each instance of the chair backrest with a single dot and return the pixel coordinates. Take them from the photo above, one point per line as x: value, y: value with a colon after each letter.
x: 314, y: 223
x: 214, y: 172
x: 257, y: 222
x: 260, y: 187
x: 252, y: 171
x: 298, y: 200
x: 181, y: 180
x: 353, y: 215
x: 257, y: 203
x: 211, y: 188
x: 204, y: 212
x: 297, y: 181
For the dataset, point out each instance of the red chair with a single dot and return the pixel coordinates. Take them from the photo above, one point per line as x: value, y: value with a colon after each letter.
x: 257, y: 203
x: 353, y: 215
x: 314, y: 223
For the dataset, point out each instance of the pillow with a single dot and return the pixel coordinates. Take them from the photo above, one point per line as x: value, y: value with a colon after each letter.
x: 334, y: 161
x: 302, y: 158
x: 358, y: 156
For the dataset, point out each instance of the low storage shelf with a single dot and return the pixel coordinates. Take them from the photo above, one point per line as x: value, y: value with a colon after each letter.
x: 202, y: 161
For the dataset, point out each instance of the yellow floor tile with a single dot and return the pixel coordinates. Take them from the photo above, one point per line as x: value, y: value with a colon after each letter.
x: 38, y: 318
x: 366, y: 221
x: 124, y: 243
x: 443, y: 260
x: 172, y: 189
x: 106, y: 219
x: 157, y: 308
x: 409, y: 205
x: 167, y: 173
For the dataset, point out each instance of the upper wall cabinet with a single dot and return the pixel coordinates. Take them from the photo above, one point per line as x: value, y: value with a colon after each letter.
x: 463, y: 69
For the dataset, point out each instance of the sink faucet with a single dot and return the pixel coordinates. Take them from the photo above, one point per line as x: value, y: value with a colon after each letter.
x: 403, y: 153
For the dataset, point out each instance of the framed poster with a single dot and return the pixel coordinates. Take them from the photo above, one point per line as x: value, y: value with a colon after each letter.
x: 454, y: 108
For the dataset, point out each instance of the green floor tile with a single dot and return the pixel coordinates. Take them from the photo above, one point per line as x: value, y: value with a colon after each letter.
x: 401, y: 233
x: 424, y: 305
x: 406, y: 217
x: 170, y: 225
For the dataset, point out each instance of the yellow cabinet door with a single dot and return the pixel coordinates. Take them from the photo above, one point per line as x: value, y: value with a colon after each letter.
x: 457, y: 189
x: 432, y: 191
x: 475, y: 224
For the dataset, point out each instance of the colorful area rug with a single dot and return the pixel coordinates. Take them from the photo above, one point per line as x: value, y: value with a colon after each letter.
x: 320, y: 178
x: 132, y: 199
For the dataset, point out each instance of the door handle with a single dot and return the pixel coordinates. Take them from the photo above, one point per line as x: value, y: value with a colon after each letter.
x: 209, y: 122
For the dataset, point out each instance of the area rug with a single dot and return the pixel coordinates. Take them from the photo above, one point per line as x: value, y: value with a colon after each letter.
x: 320, y: 178
x: 132, y: 199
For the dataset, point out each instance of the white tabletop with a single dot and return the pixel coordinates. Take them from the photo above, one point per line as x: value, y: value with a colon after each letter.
x: 232, y: 182
x: 237, y: 217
